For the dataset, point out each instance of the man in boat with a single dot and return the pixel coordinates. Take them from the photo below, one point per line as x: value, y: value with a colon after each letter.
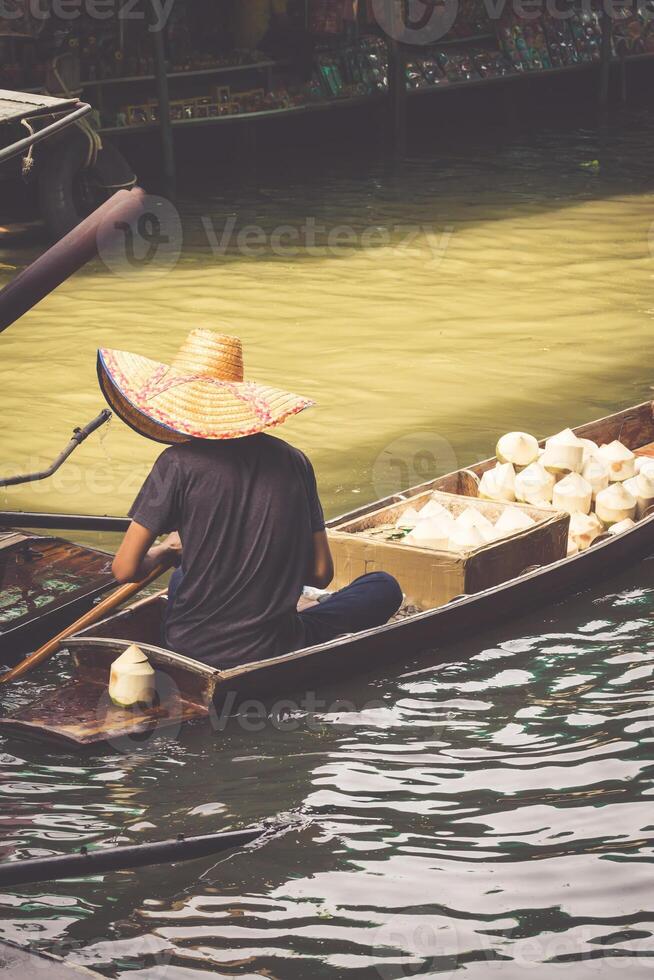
x: 240, y: 508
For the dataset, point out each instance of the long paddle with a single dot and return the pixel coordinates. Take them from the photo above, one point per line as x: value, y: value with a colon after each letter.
x: 107, y: 605
x: 131, y: 856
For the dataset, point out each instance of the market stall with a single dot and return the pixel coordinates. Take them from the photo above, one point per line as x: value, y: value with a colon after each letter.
x: 222, y: 62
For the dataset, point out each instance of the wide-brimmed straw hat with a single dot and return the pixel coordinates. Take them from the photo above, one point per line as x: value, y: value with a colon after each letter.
x: 201, y: 395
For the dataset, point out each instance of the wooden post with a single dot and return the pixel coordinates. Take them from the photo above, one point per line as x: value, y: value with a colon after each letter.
x: 605, y: 65
x: 397, y: 79
x: 165, y: 127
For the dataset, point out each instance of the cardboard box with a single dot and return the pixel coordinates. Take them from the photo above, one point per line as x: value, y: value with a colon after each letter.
x: 431, y: 578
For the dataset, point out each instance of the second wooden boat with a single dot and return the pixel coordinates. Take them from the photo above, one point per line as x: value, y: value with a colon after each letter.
x: 80, y: 712
x: 45, y: 584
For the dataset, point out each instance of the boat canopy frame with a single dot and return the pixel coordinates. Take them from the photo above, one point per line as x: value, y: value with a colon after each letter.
x: 19, y: 107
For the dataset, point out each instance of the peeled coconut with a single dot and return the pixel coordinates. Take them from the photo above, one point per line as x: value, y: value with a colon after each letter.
x: 645, y: 464
x: 131, y: 680
x: 534, y: 485
x: 432, y: 532
x: 466, y: 538
x: 584, y: 528
x: 517, y: 448
x: 620, y: 461
x: 564, y: 453
x: 408, y: 518
x: 573, y: 494
x: 474, y: 518
x: 596, y: 472
x: 433, y: 509
x: 622, y: 526
x: 590, y: 448
x: 615, y: 504
x: 642, y: 488
x: 572, y: 549
x: 498, y: 483
x: 511, y: 521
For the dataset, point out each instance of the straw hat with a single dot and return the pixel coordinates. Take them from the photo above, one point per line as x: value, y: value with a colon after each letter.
x: 201, y: 395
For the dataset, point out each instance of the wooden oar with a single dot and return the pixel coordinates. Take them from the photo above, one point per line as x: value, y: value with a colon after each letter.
x: 123, y: 594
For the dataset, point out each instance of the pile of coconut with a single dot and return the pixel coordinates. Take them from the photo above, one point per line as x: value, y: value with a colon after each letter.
x: 603, y: 488
x: 433, y: 526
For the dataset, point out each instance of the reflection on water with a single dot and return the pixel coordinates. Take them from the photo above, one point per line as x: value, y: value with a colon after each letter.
x: 492, y: 815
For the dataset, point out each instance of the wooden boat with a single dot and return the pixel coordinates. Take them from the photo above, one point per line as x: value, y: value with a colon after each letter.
x: 80, y: 713
x: 45, y: 585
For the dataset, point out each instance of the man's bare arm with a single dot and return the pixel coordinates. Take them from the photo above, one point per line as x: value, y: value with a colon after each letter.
x: 138, y: 554
x: 323, y: 566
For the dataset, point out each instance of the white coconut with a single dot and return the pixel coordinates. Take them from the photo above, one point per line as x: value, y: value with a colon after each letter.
x: 622, y: 526
x: 432, y: 532
x: 498, y: 483
x: 466, y: 538
x: 471, y: 517
x: 644, y: 464
x: 572, y: 549
x: 596, y: 472
x: 584, y: 528
x: 564, y: 453
x: 573, y: 494
x: 433, y: 509
x: 408, y: 518
x: 620, y: 461
x: 517, y: 448
x: 590, y: 449
x: 642, y: 488
x: 534, y: 485
x: 511, y: 521
x: 615, y: 504
x: 131, y: 680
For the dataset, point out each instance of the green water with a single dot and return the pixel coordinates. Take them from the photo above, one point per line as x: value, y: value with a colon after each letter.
x: 490, y: 816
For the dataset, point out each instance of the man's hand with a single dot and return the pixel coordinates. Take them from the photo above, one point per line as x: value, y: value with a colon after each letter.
x: 137, y: 555
x: 172, y: 545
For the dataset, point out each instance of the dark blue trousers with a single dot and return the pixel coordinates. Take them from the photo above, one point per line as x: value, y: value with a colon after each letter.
x: 367, y: 602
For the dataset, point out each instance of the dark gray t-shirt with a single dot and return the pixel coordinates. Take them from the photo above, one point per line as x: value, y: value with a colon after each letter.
x: 246, y: 510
